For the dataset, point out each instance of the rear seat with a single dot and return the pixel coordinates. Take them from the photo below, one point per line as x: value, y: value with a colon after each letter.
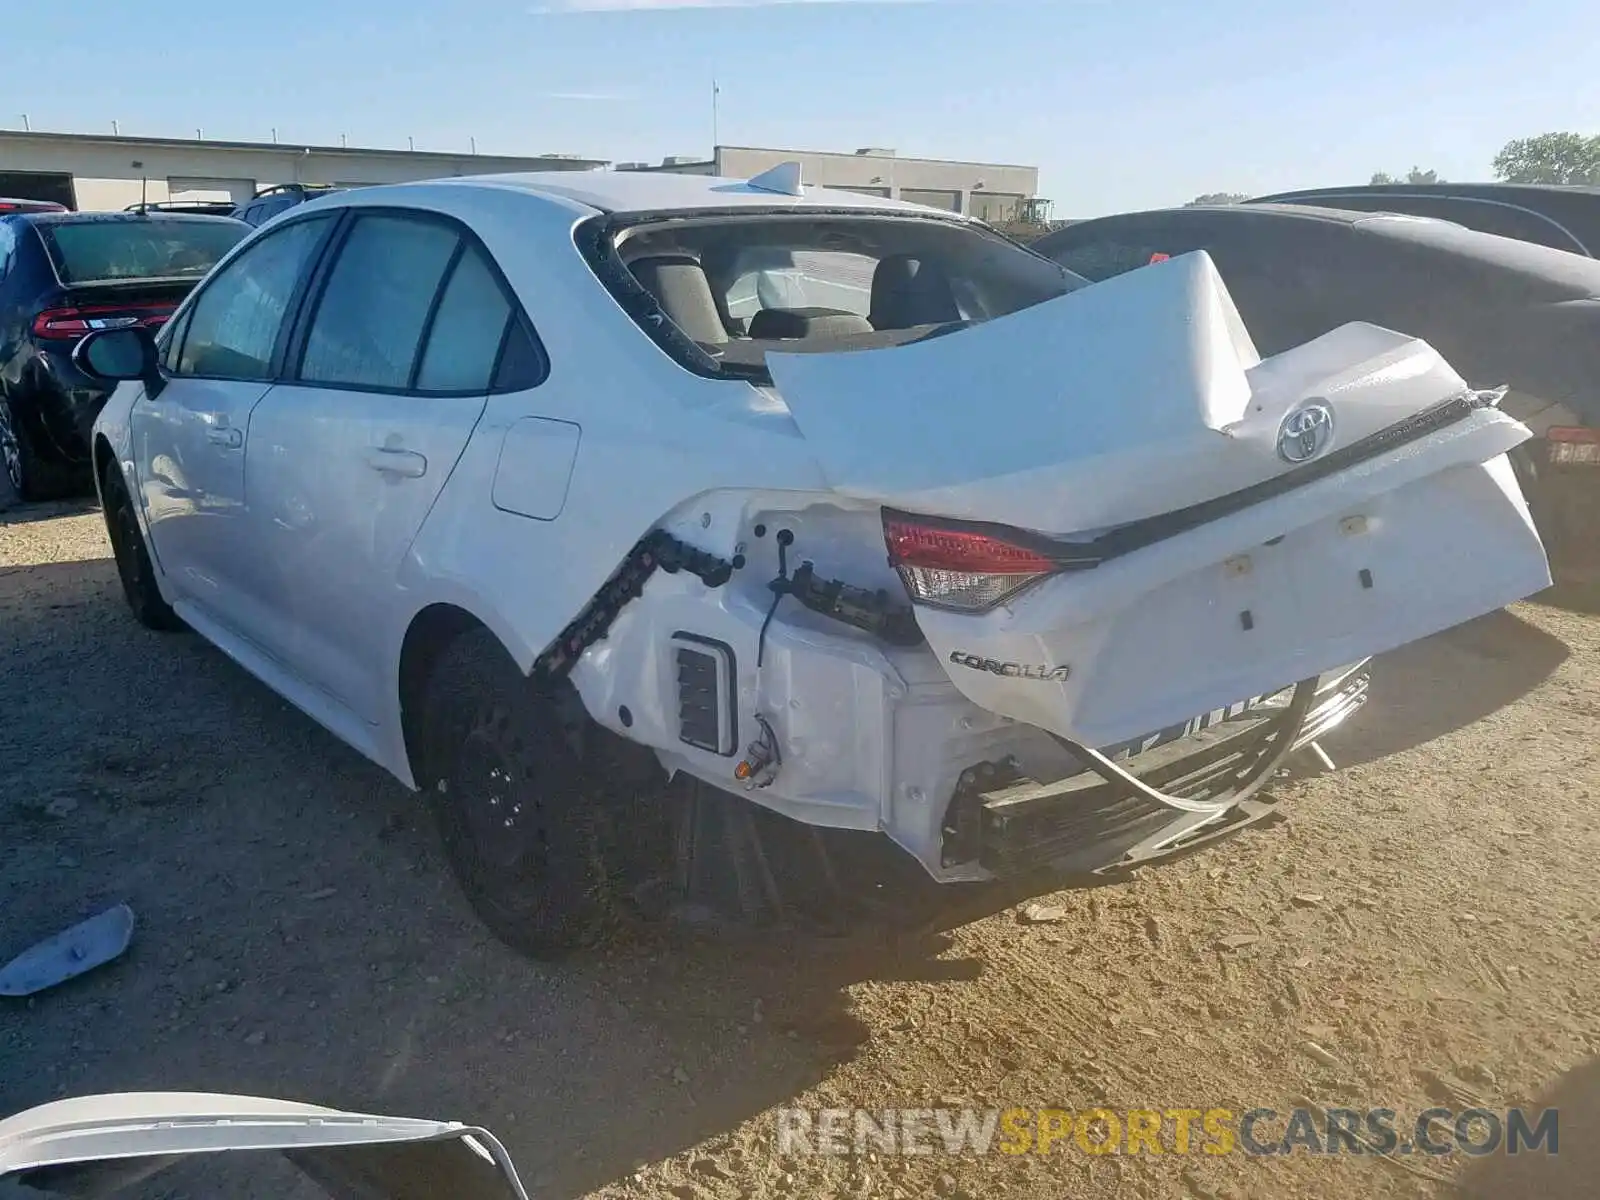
x: 789, y: 324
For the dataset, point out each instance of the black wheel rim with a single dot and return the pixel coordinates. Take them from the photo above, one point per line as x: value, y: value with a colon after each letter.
x: 501, y: 811
x: 10, y: 449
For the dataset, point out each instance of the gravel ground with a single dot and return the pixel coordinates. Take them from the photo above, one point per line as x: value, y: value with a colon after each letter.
x: 1430, y: 910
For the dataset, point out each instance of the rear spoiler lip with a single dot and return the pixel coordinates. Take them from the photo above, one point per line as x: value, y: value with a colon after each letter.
x: 1138, y: 535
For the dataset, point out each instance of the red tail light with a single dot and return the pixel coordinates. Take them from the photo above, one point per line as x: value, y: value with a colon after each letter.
x: 70, y: 323
x: 958, y: 568
x: 1572, y: 433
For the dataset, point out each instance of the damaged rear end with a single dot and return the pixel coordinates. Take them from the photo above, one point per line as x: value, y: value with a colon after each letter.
x: 1133, y: 528
x: 1085, y: 576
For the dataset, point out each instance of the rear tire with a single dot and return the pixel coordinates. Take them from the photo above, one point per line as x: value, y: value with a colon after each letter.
x: 523, y: 835
x: 133, y: 560
x: 32, y: 477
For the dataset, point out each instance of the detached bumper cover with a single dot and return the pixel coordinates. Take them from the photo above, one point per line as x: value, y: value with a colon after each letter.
x: 1083, y: 824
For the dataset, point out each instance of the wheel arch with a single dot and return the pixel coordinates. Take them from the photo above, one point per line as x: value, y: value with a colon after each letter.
x: 429, y: 634
x: 102, y: 455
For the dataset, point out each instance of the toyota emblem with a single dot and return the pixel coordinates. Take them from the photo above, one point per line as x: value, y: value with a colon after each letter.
x: 1305, y: 432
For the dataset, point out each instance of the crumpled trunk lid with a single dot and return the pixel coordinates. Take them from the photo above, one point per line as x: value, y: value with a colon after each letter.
x: 1135, y: 397
x: 1266, y: 520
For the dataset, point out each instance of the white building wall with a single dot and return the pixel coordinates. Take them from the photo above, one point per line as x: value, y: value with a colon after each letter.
x: 107, y: 172
x: 989, y: 189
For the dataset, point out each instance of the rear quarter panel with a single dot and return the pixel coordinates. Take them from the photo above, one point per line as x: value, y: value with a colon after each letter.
x: 650, y: 436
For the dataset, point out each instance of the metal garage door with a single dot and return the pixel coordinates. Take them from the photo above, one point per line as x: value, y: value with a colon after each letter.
x: 197, y: 189
x: 37, y: 185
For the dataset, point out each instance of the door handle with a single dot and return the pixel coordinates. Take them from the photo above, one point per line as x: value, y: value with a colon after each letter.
x: 225, y: 436
x: 393, y: 460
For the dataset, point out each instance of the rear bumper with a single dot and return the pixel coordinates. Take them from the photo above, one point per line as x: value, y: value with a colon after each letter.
x: 1083, y: 824
x: 60, y: 404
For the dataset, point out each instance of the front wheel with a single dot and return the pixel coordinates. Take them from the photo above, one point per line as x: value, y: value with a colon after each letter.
x: 522, y: 834
x: 133, y: 560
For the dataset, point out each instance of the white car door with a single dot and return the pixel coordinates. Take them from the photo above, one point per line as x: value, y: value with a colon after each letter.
x: 348, y: 454
x: 189, y: 436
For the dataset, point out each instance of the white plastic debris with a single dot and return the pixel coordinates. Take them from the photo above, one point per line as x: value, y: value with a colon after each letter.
x: 68, y: 954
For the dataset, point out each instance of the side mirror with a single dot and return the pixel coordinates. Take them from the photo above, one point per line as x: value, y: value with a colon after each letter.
x: 115, y: 355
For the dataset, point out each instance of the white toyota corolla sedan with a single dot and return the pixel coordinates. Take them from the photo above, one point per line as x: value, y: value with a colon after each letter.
x: 845, y: 510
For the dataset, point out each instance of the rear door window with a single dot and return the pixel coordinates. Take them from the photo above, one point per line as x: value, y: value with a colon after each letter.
x: 467, y: 330
x: 262, y: 211
x: 376, y: 305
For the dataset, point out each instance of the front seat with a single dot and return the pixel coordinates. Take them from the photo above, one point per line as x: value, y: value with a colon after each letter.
x: 679, y: 284
x: 906, y: 292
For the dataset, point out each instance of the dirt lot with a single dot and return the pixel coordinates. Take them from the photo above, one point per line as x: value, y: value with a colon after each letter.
x: 1432, y: 907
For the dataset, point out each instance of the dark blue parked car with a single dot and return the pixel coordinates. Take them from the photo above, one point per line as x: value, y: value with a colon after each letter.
x: 63, y: 274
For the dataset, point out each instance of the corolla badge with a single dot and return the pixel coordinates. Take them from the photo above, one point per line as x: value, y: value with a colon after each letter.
x: 1011, y: 670
x: 1305, y: 432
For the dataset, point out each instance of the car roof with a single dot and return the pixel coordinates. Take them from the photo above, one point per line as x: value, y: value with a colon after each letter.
x: 1254, y: 211
x: 1573, y: 272
x: 1289, y: 214
x: 1525, y: 192
x: 1568, y: 212
x: 648, y: 191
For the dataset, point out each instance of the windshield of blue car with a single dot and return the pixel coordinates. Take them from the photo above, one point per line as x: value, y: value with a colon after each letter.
x: 84, y: 251
x: 737, y: 285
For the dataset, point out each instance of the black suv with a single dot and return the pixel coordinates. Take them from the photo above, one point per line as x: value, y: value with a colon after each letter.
x: 269, y: 202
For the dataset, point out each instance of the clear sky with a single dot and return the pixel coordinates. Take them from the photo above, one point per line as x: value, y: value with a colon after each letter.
x: 1123, y: 105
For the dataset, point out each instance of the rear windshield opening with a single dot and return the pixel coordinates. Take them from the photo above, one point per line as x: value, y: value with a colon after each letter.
x: 737, y: 285
x: 85, y: 251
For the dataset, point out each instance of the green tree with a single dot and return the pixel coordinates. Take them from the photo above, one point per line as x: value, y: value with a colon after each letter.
x: 1219, y: 198
x: 1550, y: 158
x: 1415, y: 175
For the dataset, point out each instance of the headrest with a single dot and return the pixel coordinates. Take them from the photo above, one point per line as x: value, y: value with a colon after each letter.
x: 907, y: 292
x: 680, y: 286
x: 787, y: 324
